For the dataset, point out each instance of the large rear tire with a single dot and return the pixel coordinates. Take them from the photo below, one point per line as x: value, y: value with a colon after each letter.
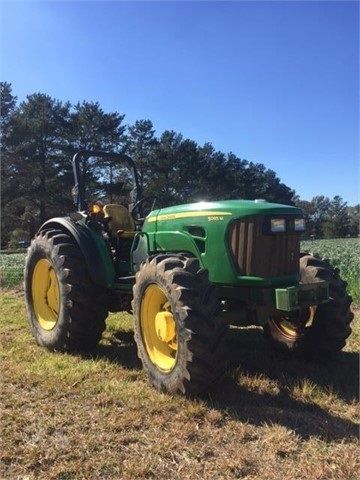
x: 319, y: 332
x: 178, y: 332
x: 65, y: 309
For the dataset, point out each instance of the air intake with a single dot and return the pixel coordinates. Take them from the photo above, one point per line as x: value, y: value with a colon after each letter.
x: 259, y: 254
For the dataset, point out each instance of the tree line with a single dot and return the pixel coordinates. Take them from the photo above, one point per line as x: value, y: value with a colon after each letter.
x: 40, y: 134
x: 330, y: 218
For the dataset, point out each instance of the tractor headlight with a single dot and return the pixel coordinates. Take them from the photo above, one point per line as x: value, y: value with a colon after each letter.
x: 277, y: 225
x: 299, y: 225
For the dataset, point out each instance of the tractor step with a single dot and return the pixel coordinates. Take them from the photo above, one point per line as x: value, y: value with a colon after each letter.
x: 125, y: 280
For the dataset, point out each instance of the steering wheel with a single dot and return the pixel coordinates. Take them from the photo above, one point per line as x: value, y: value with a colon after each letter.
x: 136, y: 209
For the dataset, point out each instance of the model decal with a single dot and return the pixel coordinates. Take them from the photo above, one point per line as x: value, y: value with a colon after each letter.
x: 176, y: 216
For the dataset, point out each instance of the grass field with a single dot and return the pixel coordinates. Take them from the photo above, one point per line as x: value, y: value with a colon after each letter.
x: 70, y: 417
x: 12, y: 269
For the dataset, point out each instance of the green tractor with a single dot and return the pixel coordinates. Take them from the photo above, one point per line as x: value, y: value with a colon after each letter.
x: 186, y: 273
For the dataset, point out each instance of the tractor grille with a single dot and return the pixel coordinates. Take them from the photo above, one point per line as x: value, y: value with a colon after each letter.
x: 263, y: 255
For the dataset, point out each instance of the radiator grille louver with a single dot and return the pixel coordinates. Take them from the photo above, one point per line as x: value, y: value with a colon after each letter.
x: 260, y: 255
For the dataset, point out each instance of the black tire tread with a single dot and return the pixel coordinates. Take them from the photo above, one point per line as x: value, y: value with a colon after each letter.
x: 85, y: 312
x: 331, y: 325
x: 198, y: 308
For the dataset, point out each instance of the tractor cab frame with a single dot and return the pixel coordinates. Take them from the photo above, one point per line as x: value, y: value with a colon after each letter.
x: 82, y: 156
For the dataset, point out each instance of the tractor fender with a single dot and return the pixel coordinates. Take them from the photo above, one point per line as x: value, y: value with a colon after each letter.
x: 95, y: 252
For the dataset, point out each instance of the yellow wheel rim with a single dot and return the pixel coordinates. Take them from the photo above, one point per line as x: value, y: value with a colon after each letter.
x: 292, y: 330
x: 287, y: 328
x: 45, y: 294
x: 158, y: 328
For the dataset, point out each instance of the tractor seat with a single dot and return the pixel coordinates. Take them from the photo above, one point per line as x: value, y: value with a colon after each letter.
x: 120, y: 222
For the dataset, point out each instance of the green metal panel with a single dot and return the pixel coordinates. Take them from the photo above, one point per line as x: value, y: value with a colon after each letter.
x: 168, y: 231
x: 238, y: 208
x: 106, y: 260
x: 150, y: 229
x: 300, y: 296
x: 287, y: 299
x: 95, y: 252
x: 177, y: 242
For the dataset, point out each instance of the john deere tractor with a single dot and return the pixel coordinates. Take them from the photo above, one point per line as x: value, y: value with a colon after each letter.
x: 186, y: 273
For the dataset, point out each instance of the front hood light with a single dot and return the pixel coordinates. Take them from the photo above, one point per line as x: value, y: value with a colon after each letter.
x: 299, y: 225
x: 277, y: 225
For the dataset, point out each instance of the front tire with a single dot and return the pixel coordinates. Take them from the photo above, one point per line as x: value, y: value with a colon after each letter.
x: 321, y: 331
x: 65, y: 309
x: 178, y: 332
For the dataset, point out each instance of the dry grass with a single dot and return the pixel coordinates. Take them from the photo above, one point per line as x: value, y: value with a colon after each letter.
x: 68, y: 417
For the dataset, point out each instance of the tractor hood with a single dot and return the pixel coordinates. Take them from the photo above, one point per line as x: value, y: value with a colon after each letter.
x: 206, y: 231
x: 225, y: 208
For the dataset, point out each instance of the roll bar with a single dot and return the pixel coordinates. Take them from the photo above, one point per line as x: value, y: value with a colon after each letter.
x: 83, y: 156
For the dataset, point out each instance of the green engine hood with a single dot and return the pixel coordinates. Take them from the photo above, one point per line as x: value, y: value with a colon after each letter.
x: 202, y: 229
x: 224, y: 208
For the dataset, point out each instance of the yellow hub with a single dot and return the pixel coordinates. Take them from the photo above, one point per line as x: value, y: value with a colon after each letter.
x: 165, y: 326
x: 158, y: 328
x: 287, y: 328
x: 295, y: 330
x: 45, y: 294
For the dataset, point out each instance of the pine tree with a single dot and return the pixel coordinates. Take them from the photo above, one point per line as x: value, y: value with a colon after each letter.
x: 337, y: 223
x: 354, y: 220
x: 8, y: 173
x: 140, y: 145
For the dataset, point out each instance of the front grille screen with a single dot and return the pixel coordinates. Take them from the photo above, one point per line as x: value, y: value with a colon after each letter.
x: 263, y: 255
